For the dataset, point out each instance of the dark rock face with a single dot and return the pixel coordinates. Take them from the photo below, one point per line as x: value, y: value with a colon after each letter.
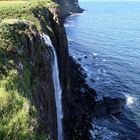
x: 68, y: 7
x: 71, y: 81
x: 114, y: 105
x: 108, y: 106
x: 52, y: 18
x: 80, y: 99
x: 59, y: 41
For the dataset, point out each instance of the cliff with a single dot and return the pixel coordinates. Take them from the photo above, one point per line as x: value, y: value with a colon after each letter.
x: 27, y: 98
x: 69, y: 7
x: 27, y: 102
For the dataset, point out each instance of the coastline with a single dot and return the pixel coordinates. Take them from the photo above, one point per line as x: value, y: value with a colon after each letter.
x: 80, y: 111
x: 92, y: 109
x: 26, y: 72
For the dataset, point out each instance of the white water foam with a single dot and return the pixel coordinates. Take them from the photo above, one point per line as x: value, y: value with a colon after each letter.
x: 102, y: 133
x: 130, y: 100
x: 104, y: 60
x: 94, y: 54
x: 57, y: 87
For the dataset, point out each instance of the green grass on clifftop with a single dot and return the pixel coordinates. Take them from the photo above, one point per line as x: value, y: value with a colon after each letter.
x: 23, y: 10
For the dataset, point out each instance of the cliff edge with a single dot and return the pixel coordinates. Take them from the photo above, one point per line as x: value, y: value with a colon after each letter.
x: 28, y: 107
x: 27, y: 100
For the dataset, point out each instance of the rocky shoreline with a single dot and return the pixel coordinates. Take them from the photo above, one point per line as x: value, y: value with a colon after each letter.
x: 84, y: 106
x: 79, y: 115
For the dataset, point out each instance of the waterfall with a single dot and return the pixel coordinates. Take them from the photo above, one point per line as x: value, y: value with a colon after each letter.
x: 57, y: 86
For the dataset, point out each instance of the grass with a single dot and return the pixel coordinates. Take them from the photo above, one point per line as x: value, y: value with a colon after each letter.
x: 24, y: 10
x: 16, y: 121
x: 18, y: 117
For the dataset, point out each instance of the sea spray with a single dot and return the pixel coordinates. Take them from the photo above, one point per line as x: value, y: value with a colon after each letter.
x: 57, y: 86
x: 100, y: 132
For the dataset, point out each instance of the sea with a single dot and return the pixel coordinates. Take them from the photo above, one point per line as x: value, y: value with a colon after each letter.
x: 105, y: 40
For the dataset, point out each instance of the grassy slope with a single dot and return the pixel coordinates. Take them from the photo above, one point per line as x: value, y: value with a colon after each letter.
x: 23, y: 10
x: 18, y: 118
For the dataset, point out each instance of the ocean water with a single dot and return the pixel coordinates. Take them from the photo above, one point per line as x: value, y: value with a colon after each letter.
x: 105, y: 40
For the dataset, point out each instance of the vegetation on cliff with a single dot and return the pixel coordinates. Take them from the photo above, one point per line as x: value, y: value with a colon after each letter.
x: 19, y: 117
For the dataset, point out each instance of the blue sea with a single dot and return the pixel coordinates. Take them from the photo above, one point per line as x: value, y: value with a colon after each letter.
x: 105, y: 40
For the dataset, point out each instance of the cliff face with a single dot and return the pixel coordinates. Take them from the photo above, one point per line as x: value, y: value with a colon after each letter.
x: 69, y: 6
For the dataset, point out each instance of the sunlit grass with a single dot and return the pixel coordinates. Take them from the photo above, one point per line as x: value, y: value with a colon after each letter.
x: 15, y: 119
x: 23, y: 10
